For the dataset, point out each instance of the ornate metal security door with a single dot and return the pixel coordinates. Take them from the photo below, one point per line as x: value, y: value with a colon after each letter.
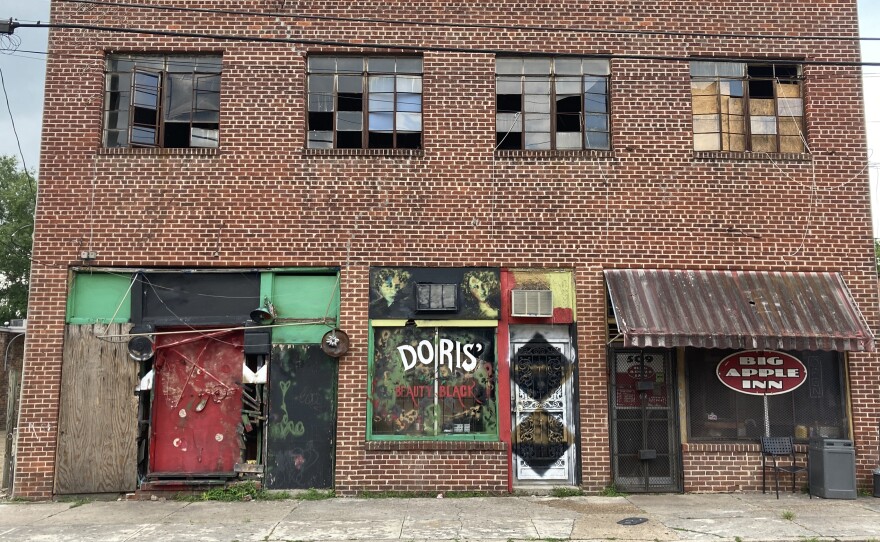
x: 644, y: 428
x: 543, y: 436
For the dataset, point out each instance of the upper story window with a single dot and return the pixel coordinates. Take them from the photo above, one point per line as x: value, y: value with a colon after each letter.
x: 365, y: 102
x: 162, y: 101
x: 552, y: 103
x: 748, y: 107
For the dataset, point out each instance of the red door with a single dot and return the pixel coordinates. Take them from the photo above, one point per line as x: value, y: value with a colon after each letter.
x: 196, y: 403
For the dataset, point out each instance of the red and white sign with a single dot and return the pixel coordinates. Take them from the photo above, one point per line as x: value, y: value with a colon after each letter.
x: 761, y: 372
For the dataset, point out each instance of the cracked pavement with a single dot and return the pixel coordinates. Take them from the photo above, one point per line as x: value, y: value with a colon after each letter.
x: 747, y: 517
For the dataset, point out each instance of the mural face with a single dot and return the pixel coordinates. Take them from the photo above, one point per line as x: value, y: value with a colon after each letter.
x: 430, y: 382
x: 393, y: 292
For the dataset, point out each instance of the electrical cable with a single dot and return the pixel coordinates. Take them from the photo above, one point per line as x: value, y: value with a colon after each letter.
x: 435, y: 48
x: 30, y: 179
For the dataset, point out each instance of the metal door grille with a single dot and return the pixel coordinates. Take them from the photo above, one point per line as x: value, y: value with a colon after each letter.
x: 645, y: 442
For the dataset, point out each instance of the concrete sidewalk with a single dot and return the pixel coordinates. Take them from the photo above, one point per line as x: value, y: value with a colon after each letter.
x: 718, y: 517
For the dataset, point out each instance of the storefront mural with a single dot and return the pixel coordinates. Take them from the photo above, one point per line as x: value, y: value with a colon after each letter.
x: 433, y: 381
x: 393, y: 291
x: 761, y: 372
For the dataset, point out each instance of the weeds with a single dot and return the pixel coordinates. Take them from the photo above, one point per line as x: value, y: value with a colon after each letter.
x: 313, y: 494
x: 612, y: 491
x: 75, y: 501
x: 787, y: 515
x: 244, y: 491
x: 563, y: 492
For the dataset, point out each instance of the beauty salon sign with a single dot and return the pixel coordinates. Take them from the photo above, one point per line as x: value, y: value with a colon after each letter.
x: 762, y: 372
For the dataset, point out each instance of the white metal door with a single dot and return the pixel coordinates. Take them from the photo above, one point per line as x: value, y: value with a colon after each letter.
x: 543, y: 433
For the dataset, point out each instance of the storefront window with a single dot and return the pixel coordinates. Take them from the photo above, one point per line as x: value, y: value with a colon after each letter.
x: 816, y: 407
x: 436, y: 383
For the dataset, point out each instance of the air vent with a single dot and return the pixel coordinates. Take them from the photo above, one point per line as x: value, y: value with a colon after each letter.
x: 533, y: 303
x: 436, y: 297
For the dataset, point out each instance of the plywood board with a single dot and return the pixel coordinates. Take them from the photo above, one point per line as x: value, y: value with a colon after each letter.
x: 97, y: 424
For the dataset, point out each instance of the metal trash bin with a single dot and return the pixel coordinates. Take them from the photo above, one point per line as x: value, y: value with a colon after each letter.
x: 832, y: 468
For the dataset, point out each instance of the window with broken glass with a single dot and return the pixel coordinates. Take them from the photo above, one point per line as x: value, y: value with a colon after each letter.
x: 748, y: 107
x: 365, y: 102
x: 165, y: 101
x: 552, y: 103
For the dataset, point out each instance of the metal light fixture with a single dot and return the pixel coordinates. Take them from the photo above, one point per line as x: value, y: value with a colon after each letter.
x: 264, y: 314
x: 141, y: 345
x: 334, y: 343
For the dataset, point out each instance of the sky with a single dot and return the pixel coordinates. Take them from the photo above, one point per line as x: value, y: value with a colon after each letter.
x: 23, y: 75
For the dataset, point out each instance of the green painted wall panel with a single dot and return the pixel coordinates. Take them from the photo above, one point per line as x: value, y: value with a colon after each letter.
x: 305, y: 296
x: 96, y: 297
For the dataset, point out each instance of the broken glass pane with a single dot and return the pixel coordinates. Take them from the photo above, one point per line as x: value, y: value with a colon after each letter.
x: 204, y: 137
x: 508, y: 103
x: 596, y: 140
x: 178, y: 97
x: 320, y: 140
x: 568, y: 122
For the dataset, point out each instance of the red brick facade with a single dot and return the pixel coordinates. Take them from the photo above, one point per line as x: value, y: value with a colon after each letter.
x: 261, y: 200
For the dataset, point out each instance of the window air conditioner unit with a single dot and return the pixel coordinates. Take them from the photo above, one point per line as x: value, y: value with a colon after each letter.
x: 532, y: 303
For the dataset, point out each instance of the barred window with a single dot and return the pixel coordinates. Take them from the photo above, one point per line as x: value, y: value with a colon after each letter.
x: 166, y: 101
x: 365, y: 102
x: 817, y: 408
x: 552, y: 103
x: 748, y: 107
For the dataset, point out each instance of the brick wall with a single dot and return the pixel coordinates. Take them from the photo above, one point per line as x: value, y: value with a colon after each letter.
x: 260, y: 200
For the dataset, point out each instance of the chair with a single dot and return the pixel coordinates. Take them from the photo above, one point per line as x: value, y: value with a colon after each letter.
x: 779, y: 450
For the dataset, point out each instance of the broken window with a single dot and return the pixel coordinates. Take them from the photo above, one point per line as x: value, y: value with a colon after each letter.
x: 552, y: 103
x: 748, y: 107
x: 365, y: 103
x: 162, y: 101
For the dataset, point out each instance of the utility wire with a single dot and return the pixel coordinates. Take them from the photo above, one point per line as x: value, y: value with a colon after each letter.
x: 17, y: 140
x: 434, y: 48
x: 413, y: 22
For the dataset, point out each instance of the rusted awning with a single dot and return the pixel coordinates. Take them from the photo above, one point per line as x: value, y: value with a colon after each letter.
x: 736, y: 309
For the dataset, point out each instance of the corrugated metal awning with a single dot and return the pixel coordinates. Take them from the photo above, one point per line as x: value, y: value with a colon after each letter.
x: 736, y: 309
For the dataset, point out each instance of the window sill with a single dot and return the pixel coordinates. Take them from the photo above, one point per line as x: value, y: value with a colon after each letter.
x: 753, y: 156
x: 433, y: 445
x: 157, y: 151
x: 353, y: 153
x: 730, y: 446
x: 553, y: 154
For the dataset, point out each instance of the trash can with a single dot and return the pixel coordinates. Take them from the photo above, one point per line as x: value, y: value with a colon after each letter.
x: 832, y: 468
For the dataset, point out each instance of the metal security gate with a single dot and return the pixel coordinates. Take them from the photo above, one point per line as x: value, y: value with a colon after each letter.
x: 644, y: 429
x: 544, y: 433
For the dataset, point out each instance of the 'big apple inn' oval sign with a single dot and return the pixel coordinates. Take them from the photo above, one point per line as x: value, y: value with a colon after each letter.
x: 761, y: 372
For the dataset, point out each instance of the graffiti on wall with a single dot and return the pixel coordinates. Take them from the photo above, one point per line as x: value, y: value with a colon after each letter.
x: 302, y: 418
x: 393, y: 291
x: 433, y: 382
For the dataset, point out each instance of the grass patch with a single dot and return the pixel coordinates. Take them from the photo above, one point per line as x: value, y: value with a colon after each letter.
x: 243, y: 491
x: 611, y: 491
x: 563, y: 492
x: 75, y: 502
x: 787, y: 515
x: 313, y: 494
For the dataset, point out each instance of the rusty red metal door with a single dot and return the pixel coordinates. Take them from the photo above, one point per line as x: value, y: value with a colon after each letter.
x: 196, y: 407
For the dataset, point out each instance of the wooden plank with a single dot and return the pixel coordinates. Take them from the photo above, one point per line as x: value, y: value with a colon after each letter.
x: 97, y: 423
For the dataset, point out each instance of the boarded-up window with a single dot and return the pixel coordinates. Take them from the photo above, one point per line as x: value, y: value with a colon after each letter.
x: 747, y: 107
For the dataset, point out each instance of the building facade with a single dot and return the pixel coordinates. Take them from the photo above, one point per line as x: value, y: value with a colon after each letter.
x: 440, y: 246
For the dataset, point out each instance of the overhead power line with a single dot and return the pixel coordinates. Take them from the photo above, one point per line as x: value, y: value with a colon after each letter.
x: 429, y: 48
x: 412, y: 22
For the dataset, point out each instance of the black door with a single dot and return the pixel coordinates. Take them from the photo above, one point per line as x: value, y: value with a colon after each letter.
x: 302, y: 418
x: 645, y: 439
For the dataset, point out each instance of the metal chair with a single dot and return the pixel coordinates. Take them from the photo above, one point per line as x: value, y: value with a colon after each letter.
x: 779, y: 450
